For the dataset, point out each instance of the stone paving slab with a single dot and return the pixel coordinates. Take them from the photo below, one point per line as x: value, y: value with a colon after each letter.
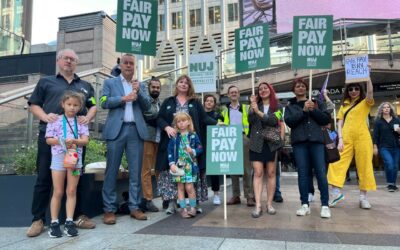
x: 209, y: 231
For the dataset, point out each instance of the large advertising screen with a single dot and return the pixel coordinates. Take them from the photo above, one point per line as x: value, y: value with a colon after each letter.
x: 285, y: 10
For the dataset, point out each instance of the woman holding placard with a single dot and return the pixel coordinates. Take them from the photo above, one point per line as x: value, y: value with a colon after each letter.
x: 354, y: 140
x: 386, y: 142
x: 264, y: 112
x: 305, y: 117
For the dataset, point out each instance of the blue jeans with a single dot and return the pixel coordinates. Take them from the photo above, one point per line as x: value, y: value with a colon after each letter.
x: 278, y: 181
x: 391, y: 157
x: 307, y: 155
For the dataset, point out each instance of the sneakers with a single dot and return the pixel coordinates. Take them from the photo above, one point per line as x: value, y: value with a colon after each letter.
x: 171, y: 208
x: 35, y: 229
x: 216, y: 200
x: 304, y: 210
x: 392, y: 188
x: 310, y: 197
x: 364, y: 204
x: 84, y: 222
x: 199, y: 210
x: 54, y: 230
x: 70, y: 229
x: 325, y: 212
x: 338, y: 198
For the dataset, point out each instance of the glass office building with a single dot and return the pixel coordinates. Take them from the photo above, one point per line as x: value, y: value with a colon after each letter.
x: 15, y: 26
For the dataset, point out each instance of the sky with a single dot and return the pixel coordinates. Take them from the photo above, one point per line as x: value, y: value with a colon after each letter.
x: 46, y: 14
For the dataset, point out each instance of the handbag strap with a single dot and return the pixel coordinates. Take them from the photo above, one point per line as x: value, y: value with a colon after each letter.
x: 345, y: 114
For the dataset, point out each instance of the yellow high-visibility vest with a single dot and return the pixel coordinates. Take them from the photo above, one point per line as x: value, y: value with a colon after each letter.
x: 245, y: 121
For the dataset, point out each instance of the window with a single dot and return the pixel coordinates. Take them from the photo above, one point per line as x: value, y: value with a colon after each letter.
x: 160, y: 2
x: 161, y: 22
x: 177, y: 20
x: 233, y: 12
x: 195, y: 17
x: 214, y: 15
x: 176, y: 1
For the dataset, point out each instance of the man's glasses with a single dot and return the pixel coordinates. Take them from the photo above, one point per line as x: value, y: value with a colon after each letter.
x: 128, y: 63
x: 353, y: 89
x: 71, y: 59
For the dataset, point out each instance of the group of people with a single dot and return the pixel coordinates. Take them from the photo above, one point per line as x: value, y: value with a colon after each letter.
x: 175, y: 131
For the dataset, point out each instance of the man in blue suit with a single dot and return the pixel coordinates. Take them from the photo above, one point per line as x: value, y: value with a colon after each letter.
x: 124, y: 130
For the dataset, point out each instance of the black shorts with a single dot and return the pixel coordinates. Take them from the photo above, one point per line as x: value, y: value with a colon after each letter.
x: 265, y: 156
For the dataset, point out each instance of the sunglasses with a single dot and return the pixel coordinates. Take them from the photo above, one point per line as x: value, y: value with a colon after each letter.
x: 350, y: 89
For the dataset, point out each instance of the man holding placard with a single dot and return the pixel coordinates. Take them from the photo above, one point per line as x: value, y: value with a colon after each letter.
x: 236, y: 114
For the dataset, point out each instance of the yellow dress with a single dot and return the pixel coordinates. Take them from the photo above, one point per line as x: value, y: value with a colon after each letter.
x: 357, y: 142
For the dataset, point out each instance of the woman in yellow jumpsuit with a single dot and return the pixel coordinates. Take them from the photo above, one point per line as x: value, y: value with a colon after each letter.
x: 354, y: 140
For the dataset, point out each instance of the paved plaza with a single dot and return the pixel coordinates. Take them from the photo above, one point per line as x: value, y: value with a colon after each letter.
x: 349, y: 228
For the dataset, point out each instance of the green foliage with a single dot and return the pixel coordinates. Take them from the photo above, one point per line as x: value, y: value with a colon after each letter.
x: 24, y: 160
x: 95, y: 151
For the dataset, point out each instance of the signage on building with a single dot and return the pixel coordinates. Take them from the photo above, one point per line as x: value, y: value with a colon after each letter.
x: 137, y: 27
x: 356, y: 68
x: 224, y: 150
x: 252, y: 48
x: 202, y: 72
x: 312, y: 42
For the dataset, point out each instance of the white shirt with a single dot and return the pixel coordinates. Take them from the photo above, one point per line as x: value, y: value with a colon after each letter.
x: 128, y: 115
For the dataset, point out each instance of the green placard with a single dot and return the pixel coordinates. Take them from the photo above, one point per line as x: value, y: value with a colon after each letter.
x: 312, y: 42
x: 252, y: 48
x: 224, y: 150
x: 137, y: 27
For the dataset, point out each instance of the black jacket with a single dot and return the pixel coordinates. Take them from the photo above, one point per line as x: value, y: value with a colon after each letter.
x: 306, y: 126
x: 384, y: 134
x: 165, y: 118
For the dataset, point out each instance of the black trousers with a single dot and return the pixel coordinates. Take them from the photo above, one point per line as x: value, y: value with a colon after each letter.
x: 44, y: 183
x: 215, y: 183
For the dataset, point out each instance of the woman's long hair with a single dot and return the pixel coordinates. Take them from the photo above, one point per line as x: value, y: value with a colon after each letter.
x: 380, y: 111
x: 273, y: 101
x: 346, y: 95
x: 190, y: 94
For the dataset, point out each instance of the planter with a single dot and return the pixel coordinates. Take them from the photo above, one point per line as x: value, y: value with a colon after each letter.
x: 16, y: 194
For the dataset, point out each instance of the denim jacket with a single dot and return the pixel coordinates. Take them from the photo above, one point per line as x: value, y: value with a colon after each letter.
x: 173, y: 149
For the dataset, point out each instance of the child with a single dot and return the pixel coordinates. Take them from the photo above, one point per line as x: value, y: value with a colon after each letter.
x: 66, y: 136
x: 182, y: 152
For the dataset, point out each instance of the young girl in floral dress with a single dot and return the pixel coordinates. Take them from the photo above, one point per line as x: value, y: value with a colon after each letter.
x: 182, y: 152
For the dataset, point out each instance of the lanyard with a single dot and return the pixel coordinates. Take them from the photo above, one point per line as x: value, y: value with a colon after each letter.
x: 74, y: 131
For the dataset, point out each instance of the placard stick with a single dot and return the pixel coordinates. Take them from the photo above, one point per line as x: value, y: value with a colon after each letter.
x: 225, y: 215
x: 252, y: 82
x: 202, y: 98
x: 310, y: 87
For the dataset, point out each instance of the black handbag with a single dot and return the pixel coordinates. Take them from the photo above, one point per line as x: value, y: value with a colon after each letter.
x: 331, y: 151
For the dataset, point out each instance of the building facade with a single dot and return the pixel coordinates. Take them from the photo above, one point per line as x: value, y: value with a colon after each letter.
x: 15, y: 26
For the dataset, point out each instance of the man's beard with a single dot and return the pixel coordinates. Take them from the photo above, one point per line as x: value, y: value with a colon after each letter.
x: 154, y: 94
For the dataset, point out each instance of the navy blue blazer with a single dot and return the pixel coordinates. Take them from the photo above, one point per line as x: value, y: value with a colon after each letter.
x: 113, y: 91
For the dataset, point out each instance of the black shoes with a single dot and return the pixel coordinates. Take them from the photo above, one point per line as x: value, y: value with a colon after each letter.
x: 70, y: 229
x: 278, y: 199
x: 54, y: 230
x: 148, y: 206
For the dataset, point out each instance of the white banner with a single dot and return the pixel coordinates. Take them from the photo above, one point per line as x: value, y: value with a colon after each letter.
x: 202, y: 72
